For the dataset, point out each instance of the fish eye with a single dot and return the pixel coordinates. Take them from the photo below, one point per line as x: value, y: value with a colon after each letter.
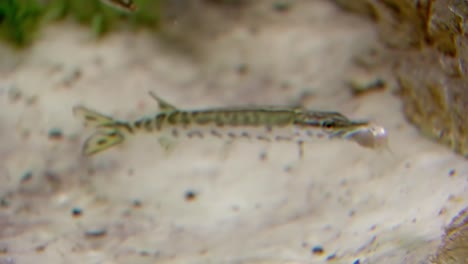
x: 328, y: 124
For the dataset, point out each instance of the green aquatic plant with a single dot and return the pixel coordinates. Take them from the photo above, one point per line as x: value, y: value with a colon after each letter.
x: 20, y: 20
x: 103, y: 18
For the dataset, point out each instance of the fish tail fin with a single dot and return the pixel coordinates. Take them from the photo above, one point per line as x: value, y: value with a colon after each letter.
x: 108, y: 132
x: 102, y: 140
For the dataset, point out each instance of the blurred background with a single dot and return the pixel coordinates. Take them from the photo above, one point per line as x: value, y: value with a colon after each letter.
x: 398, y: 63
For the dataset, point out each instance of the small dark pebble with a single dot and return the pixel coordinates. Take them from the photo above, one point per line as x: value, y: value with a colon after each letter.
x: 242, y: 69
x: 452, y: 172
x: 357, y: 261
x: 287, y: 168
x: 285, y: 85
x: 4, y: 202
x: 93, y: 233
x: 24, y: 134
x: 3, y: 249
x: 281, y: 6
x: 31, y: 100
x: 14, y: 94
x: 317, y: 250
x: 332, y: 256
x: 190, y: 196
x: 76, y: 212
x: 442, y: 211
x: 52, y: 177
x: 26, y: 176
x: 41, y: 248
x: 55, y: 133
x: 137, y: 203
x: 72, y: 76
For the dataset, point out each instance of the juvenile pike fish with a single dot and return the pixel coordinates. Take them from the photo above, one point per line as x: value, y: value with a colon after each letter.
x: 124, y: 5
x: 261, y: 123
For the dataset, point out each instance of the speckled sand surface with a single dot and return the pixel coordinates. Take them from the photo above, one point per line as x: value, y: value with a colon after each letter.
x: 353, y: 202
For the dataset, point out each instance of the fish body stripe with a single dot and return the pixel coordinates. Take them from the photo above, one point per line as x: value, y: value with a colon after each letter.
x: 262, y: 123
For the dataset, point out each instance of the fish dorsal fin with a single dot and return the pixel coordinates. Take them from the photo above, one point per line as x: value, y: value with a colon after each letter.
x: 163, y: 105
x: 92, y: 118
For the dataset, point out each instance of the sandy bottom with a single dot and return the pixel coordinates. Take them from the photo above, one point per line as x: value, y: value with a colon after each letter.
x: 205, y: 201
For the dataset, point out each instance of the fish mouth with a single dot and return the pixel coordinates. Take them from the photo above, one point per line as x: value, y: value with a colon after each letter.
x: 370, y: 136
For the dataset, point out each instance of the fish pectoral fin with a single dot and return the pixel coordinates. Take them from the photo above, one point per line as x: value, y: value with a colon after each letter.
x: 167, y: 144
x: 163, y: 105
x: 102, y: 140
x: 90, y: 117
